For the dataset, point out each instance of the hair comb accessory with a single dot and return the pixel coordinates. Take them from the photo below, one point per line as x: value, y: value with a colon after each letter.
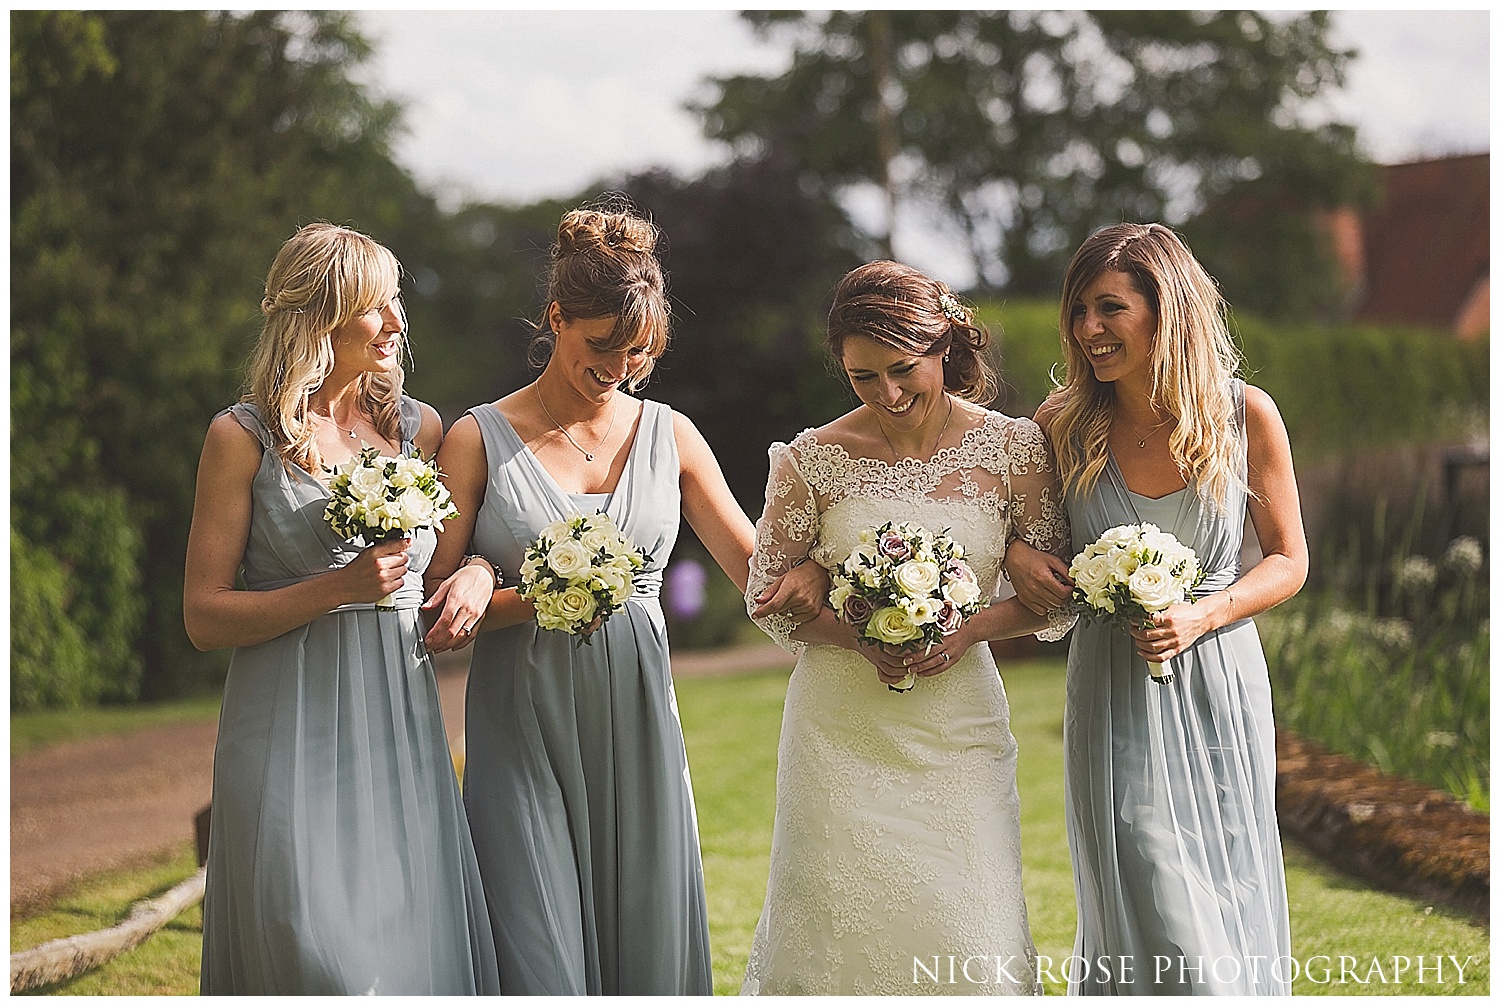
x: 952, y: 309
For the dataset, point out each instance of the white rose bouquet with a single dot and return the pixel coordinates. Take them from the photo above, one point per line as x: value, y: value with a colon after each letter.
x: 905, y: 587
x: 375, y: 498
x: 578, y: 572
x: 1129, y: 574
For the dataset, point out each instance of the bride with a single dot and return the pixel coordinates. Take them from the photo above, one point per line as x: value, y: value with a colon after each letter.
x: 896, y: 856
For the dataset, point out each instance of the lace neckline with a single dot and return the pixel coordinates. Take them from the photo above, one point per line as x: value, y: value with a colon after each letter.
x: 808, y: 439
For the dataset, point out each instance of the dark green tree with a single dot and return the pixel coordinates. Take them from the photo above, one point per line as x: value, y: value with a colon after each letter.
x: 752, y: 259
x: 1028, y: 130
x: 158, y: 159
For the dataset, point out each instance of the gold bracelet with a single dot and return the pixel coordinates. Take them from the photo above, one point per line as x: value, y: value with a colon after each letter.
x: 1230, y: 594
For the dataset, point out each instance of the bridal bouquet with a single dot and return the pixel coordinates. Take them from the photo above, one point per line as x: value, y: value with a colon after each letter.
x: 375, y: 498
x: 578, y: 572
x: 905, y: 587
x: 1129, y: 574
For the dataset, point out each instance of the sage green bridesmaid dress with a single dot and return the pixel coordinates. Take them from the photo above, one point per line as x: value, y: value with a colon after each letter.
x: 339, y: 857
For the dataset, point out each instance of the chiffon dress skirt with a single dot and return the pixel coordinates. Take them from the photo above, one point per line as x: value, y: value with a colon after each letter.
x: 1170, y: 789
x: 576, y: 781
x: 339, y: 857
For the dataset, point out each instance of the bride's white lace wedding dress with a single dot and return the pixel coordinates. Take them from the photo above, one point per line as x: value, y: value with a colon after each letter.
x: 896, y: 854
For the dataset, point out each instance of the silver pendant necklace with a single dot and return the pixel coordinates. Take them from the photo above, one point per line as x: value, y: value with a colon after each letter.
x: 587, y: 455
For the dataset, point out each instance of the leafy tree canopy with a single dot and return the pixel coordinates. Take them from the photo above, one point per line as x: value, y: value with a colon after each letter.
x: 1029, y: 130
x: 158, y: 159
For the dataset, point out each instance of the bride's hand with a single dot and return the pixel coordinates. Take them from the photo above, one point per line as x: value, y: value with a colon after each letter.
x: 924, y: 664
x: 1170, y: 631
x: 889, y: 664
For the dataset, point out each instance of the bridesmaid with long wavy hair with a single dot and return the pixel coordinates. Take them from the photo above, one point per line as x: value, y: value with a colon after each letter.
x: 1170, y: 788
x: 339, y: 858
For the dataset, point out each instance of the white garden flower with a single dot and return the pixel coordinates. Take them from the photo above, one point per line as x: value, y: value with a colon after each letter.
x: 918, y: 578
x: 892, y: 625
x: 568, y: 558
x: 1154, y: 588
x: 1414, y: 573
x: 1464, y: 556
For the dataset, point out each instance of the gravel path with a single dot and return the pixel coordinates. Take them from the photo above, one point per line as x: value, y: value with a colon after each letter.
x: 108, y: 803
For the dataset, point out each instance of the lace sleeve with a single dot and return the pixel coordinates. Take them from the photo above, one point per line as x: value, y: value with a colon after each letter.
x: 1037, y: 514
x: 785, y: 534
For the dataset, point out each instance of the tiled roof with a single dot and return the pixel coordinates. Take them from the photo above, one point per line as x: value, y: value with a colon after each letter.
x: 1427, y: 242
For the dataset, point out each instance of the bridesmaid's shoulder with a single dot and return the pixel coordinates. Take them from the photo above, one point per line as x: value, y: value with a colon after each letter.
x: 1047, y: 412
x: 1262, y: 417
x: 429, y: 436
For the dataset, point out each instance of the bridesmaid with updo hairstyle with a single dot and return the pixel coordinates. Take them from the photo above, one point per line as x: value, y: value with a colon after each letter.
x: 576, y: 779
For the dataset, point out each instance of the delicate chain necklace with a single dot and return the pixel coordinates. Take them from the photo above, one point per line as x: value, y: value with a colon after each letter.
x: 336, y: 425
x: 1141, y: 441
x: 587, y: 455
x: 896, y: 455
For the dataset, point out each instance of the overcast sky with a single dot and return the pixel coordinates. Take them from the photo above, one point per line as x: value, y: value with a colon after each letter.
x: 514, y: 106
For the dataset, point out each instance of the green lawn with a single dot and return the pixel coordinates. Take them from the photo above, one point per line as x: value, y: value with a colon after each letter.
x: 732, y: 726
x: 30, y: 731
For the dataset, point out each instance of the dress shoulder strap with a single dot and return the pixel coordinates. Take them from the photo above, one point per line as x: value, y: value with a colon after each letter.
x: 247, y: 414
x: 411, y: 419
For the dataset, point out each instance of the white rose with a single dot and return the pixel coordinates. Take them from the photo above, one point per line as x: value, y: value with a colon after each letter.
x: 892, y: 625
x: 868, y: 577
x: 557, y: 531
x: 918, y: 579
x: 1093, y: 575
x: 1120, y: 537
x: 416, y: 508
x: 596, y: 538
x: 568, y: 558
x: 364, y: 480
x: 961, y: 592
x: 577, y: 605
x: 1154, y: 588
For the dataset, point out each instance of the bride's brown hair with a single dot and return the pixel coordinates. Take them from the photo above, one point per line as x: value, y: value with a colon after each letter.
x: 899, y: 307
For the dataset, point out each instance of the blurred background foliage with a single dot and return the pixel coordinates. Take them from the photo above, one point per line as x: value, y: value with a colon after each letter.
x: 160, y: 158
